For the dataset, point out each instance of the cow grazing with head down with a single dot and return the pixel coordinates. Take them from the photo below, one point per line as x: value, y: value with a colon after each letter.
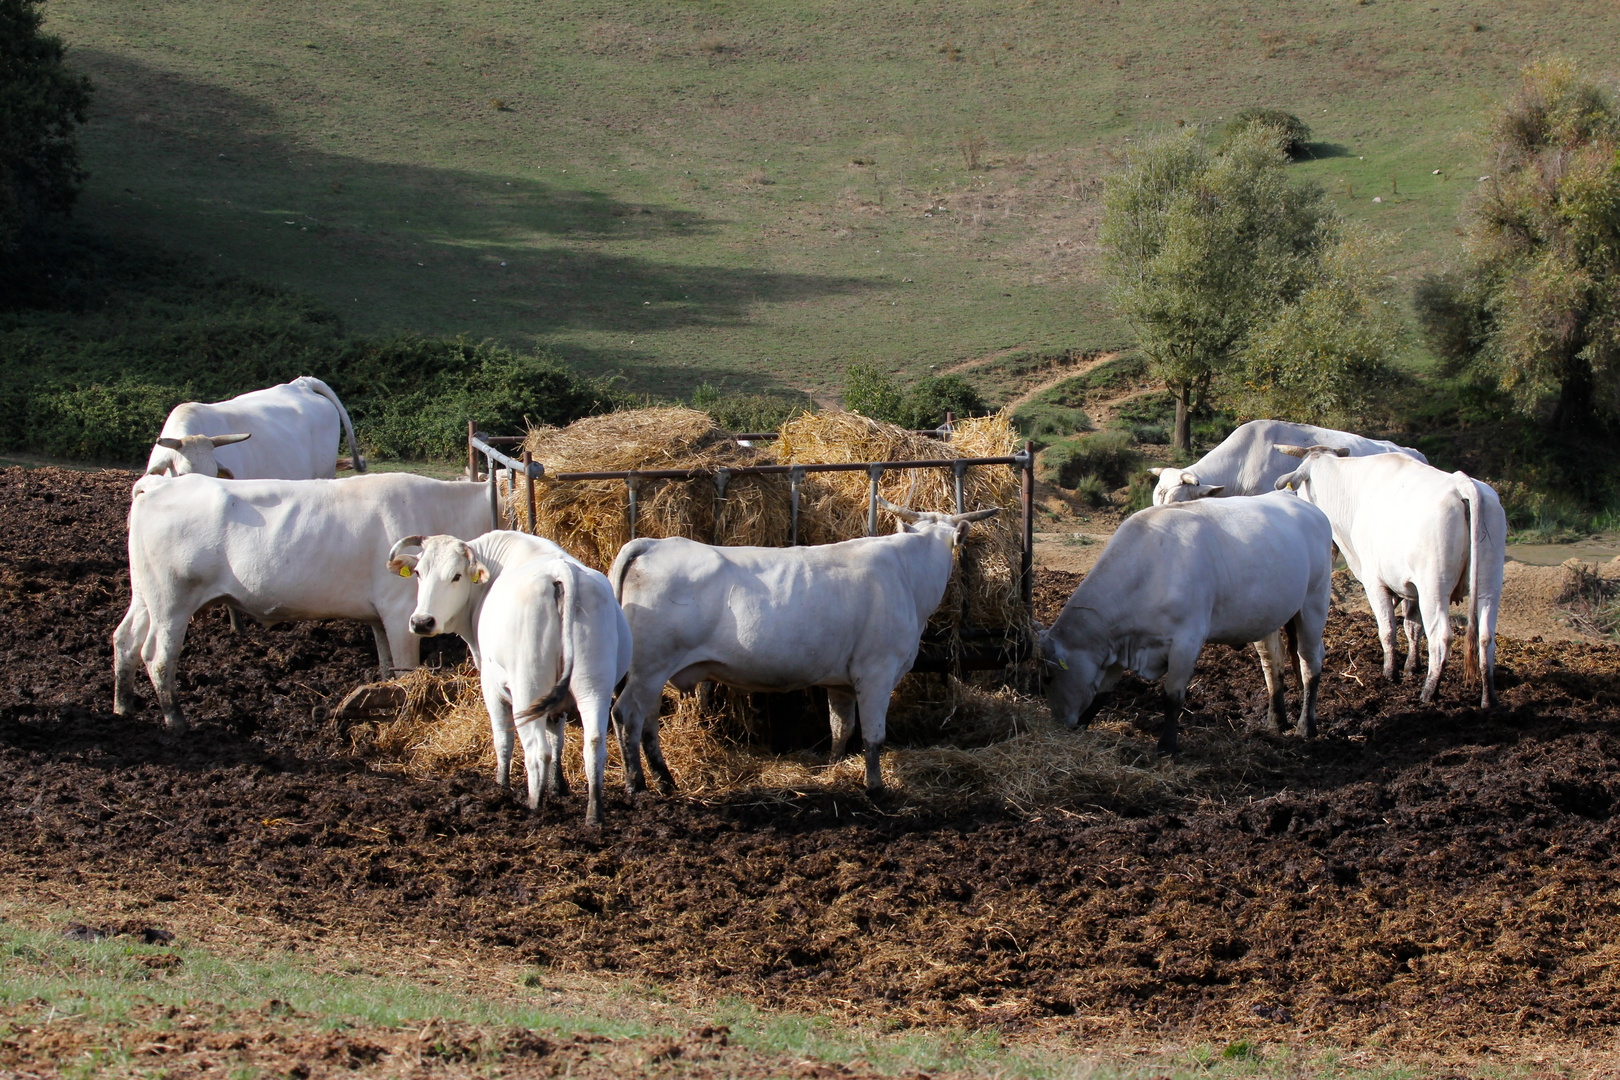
x: 547, y: 636
x: 1408, y: 530
x: 294, y: 429
x: 846, y: 616
x: 1248, y: 461
x: 276, y: 550
x: 1174, y: 577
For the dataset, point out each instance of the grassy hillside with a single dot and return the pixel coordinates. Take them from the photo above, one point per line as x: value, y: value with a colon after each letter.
x: 751, y: 194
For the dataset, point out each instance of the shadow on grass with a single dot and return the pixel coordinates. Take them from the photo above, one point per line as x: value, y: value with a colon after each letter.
x: 1313, y: 151
x: 395, y: 246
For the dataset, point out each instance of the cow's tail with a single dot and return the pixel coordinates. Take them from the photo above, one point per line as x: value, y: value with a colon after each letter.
x: 621, y: 565
x: 566, y: 587
x: 1468, y: 489
x: 343, y: 414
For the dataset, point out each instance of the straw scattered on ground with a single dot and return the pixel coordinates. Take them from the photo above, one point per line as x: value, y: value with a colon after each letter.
x: 999, y: 748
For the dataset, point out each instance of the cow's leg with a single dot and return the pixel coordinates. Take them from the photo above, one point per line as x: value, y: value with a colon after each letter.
x: 1409, y: 617
x: 127, y: 642
x: 1178, y: 673
x: 1272, y: 665
x: 1437, y: 626
x: 1486, y: 617
x: 843, y: 712
x: 385, y: 655
x: 535, y: 762
x: 655, y: 755
x: 629, y: 729
x: 162, y: 655
x: 872, y: 708
x: 501, y: 732
x: 1308, y: 652
x: 556, y: 741
x: 595, y: 712
x: 235, y: 617
x: 1383, y: 609
x: 404, y: 647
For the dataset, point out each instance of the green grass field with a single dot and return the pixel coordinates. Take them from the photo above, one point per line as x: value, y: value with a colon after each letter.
x: 751, y: 195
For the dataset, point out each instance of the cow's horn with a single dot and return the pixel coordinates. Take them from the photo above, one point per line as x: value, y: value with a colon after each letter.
x: 1292, y: 451
x: 409, y: 541
x: 898, y: 511
x: 169, y: 444
x: 1156, y: 470
x: 976, y: 515
x: 226, y: 440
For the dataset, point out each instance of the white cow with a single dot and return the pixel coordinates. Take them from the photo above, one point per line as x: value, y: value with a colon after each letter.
x: 1249, y: 460
x: 294, y: 429
x: 276, y: 550
x: 1174, y: 577
x: 1408, y: 529
x: 846, y: 616
x: 546, y: 634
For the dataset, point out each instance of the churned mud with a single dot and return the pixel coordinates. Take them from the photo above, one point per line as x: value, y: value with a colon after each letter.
x: 1432, y: 878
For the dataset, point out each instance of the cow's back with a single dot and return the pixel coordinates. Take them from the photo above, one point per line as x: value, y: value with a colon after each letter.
x: 1226, y: 569
x: 1247, y: 462
x: 295, y: 432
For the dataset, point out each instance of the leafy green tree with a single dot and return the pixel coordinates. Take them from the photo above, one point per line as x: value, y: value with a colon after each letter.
x: 869, y: 392
x: 1205, y: 247
x: 1536, y: 309
x: 1328, y: 357
x: 41, y: 104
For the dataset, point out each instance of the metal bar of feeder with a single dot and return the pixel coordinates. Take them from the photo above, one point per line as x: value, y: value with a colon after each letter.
x: 632, y: 485
x: 472, y: 453
x: 959, y: 471
x: 494, y: 497
x: 795, y: 478
x: 528, y: 489
x: 722, y: 477
x: 873, y: 471
x: 1026, y: 493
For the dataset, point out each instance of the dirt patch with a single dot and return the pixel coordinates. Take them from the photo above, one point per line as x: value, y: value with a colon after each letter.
x: 1425, y: 877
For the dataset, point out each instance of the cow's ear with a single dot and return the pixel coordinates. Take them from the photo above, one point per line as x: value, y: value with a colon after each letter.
x: 1206, y: 490
x: 169, y: 444
x: 1288, y: 481
x: 223, y: 473
x: 480, y: 572
x: 402, y: 565
x: 1340, y: 451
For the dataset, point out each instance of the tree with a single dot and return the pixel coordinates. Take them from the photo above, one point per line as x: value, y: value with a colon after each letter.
x: 41, y: 104
x: 1328, y: 357
x: 1536, y: 307
x: 1205, y: 247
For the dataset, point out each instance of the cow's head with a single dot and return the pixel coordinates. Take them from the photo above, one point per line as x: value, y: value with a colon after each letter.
x: 446, y: 570
x: 1300, y: 479
x: 917, y: 521
x: 191, y: 454
x: 1074, y: 681
x: 1177, y: 485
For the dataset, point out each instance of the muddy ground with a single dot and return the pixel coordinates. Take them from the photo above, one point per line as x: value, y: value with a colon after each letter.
x: 1425, y: 878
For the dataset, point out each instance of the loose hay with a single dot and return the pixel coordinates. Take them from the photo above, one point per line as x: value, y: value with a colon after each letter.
x: 1003, y: 749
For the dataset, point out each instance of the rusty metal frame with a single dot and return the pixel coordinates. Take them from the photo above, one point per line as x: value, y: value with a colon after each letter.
x: 481, y: 444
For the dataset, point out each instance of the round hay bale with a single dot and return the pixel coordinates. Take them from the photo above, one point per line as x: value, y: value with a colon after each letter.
x: 590, y: 518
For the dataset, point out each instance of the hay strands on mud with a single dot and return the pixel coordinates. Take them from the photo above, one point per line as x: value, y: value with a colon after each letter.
x: 602, y: 481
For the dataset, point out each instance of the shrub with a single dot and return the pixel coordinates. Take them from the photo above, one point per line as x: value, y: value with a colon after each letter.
x: 1045, y: 424
x: 42, y: 103
x: 1140, y: 493
x: 1152, y: 434
x: 1091, y: 490
x: 870, y: 392
x: 1107, y: 457
x: 1296, y: 134
x: 749, y: 412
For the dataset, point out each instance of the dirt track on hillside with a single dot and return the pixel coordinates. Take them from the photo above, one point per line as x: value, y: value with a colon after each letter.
x: 1427, y: 877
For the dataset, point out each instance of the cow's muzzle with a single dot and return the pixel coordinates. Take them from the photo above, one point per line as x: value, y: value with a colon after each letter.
x: 422, y: 624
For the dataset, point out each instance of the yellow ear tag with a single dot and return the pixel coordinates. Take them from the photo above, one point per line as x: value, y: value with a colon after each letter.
x: 404, y: 571
x: 1064, y: 664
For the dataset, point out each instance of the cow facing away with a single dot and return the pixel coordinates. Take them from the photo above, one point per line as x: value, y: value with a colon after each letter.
x: 276, y: 550
x: 547, y: 636
x: 1408, y: 530
x: 1174, y: 577
x: 294, y: 429
x: 1248, y: 461
x: 846, y: 616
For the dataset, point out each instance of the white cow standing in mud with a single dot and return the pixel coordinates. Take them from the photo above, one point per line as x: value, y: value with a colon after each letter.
x: 1174, y: 577
x: 547, y: 635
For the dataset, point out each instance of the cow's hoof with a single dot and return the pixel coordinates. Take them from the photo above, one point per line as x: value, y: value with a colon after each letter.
x: 666, y: 787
